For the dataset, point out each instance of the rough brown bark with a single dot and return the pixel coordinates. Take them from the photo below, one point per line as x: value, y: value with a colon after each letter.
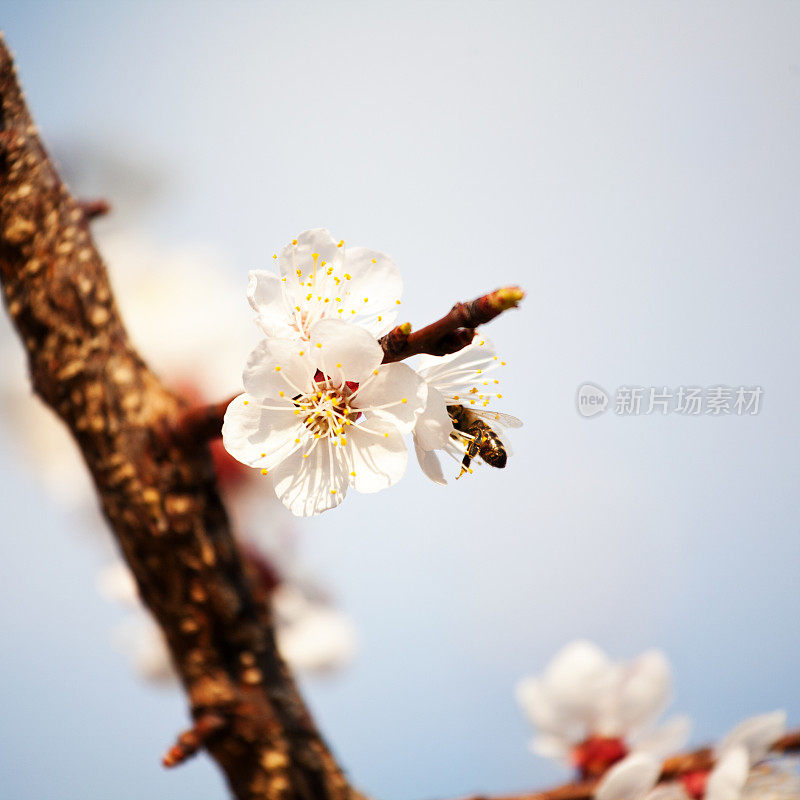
x: 157, y: 492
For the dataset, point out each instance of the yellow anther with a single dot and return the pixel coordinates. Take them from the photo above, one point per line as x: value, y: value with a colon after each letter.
x: 263, y: 455
x: 481, y: 344
x: 353, y: 474
x: 330, y: 270
x: 265, y: 472
x: 472, y: 402
x: 404, y: 400
x: 280, y: 394
x: 299, y: 273
x: 316, y: 436
x: 297, y: 441
x: 386, y: 435
x: 339, y: 365
x: 277, y: 369
x: 374, y: 372
x: 294, y: 241
x: 380, y: 318
x: 309, y: 296
x: 319, y: 344
x: 455, y: 397
x: 341, y: 244
x: 327, y: 299
x: 352, y: 311
x: 315, y: 256
x: 374, y: 260
x: 283, y: 280
x: 479, y: 371
x: 301, y: 352
x: 339, y: 310
x: 338, y: 299
x: 496, y: 381
x: 500, y: 396
x: 333, y: 491
x: 297, y: 412
x: 347, y: 276
x: 335, y: 443
x: 366, y: 299
x: 397, y: 301
x: 323, y: 263
x: 503, y: 363
x: 274, y: 255
x: 247, y: 402
x: 486, y: 383
x: 297, y: 308
x: 305, y: 455
x: 344, y: 441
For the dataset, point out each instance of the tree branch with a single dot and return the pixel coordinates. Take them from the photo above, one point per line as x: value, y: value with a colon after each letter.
x: 452, y: 332
x: 158, y: 495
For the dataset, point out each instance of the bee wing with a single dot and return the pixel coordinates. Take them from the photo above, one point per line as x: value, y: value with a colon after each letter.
x: 495, y: 416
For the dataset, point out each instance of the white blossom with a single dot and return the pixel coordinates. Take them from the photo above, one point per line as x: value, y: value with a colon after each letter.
x: 323, y: 279
x: 736, y: 775
x: 465, y: 378
x: 324, y: 414
x: 589, y: 710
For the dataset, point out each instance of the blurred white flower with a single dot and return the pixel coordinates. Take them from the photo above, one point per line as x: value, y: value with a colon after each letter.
x: 591, y: 712
x: 324, y: 414
x: 321, y: 278
x: 459, y: 381
x: 735, y: 776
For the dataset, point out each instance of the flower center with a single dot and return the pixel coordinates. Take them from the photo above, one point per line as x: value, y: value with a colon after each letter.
x: 694, y: 783
x: 595, y: 755
x: 327, y: 411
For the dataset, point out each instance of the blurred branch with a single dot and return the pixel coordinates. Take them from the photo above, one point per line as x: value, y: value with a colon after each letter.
x: 158, y: 494
x: 94, y: 208
x: 452, y: 332
x: 700, y: 760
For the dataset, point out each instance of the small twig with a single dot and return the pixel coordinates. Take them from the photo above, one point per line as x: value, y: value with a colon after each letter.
x: 455, y: 330
x: 395, y: 341
x: 189, y: 742
x: 94, y: 208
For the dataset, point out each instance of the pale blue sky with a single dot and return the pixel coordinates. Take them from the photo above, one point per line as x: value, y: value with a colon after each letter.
x: 635, y: 167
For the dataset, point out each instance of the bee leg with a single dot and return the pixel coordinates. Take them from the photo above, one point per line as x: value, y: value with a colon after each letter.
x: 473, y: 446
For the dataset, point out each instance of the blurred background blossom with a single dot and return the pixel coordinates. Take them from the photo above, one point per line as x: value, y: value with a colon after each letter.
x: 634, y: 167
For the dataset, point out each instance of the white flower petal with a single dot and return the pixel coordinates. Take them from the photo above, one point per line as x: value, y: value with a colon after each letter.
x: 457, y: 373
x: 538, y: 705
x: 318, y: 640
x: 429, y: 462
x: 434, y: 426
x: 645, y: 690
x: 276, y: 366
x: 630, y: 779
x: 551, y: 746
x: 577, y: 680
x: 396, y: 393
x: 301, y: 255
x: 266, y: 297
x: 372, y: 291
x: 261, y: 434
x: 666, y: 739
x: 347, y: 352
x: 729, y: 776
x: 756, y: 735
x: 313, y: 484
x: 377, y: 460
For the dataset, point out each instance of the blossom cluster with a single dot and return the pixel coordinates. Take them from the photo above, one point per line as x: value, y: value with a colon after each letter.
x: 600, y: 717
x: 321, y: 413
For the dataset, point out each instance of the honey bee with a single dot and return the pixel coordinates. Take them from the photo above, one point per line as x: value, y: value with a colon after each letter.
x: 479, y: 438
